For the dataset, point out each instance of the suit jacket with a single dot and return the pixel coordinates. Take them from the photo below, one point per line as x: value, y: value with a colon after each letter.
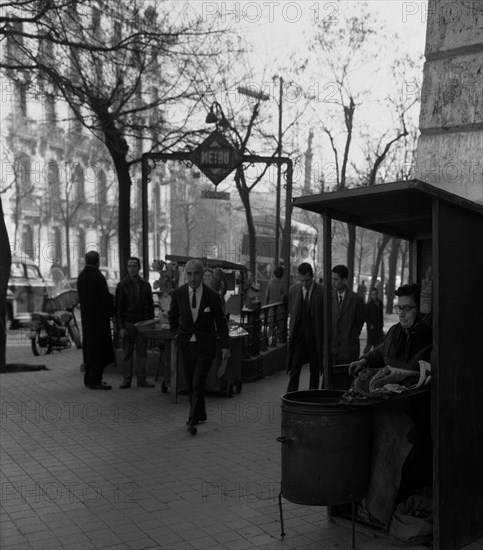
x: 347, y: 323
x: 295, y: 298
x: 210, y: 321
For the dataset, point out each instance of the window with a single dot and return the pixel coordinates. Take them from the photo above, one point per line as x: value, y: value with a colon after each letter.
x: 27, y: 245
x: 50, y: 110
x: 57, y: 242
x: 81, y: 241
x: 53, y: 182
x: 22, y: 172
x: 78, y: 184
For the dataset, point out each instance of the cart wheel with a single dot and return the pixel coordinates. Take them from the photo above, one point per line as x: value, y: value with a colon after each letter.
x: 41, y: 344
x: 239, y: 386
x: 164, y: 387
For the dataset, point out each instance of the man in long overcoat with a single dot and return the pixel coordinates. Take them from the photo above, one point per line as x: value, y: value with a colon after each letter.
x: 97, y: 308
x: 305, y: 339
x: 348, y: 318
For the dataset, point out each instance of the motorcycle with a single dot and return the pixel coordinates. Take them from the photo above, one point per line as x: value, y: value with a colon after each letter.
x: 55, y: 327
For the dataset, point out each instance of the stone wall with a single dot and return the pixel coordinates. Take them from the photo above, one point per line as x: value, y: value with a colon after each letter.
x: 450, y: 147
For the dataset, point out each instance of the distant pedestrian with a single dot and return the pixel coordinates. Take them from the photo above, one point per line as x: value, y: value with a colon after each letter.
x: 362, y: 290
x: 305, y: 344
x: 134, y: 303
x: 197, y: 319
x: 374, y: 320
x: 97, y: 308
x: 348, y: 317
x: 275, y: 291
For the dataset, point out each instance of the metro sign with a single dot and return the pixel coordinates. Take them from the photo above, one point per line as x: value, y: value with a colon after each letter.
x: 216, y: 157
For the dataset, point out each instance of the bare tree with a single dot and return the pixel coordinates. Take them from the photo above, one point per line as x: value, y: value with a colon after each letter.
x: 120, y: 72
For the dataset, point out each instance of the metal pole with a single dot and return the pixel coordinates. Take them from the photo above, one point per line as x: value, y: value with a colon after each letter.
x: 287, y: 229
x: 327, y: 299
x: 144, y: 214
x: 279, y: 176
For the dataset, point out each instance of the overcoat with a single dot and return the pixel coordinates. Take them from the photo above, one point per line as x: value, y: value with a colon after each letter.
x: 97, y: 308
x: 347, y: 323
x: 295, y: 298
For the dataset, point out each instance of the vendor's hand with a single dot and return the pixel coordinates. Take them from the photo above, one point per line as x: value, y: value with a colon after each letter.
x: 225, y: 353
x: 122, y: 333
x: 356, y: 366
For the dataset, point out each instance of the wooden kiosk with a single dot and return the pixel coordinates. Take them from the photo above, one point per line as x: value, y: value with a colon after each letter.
x: 445, y: 233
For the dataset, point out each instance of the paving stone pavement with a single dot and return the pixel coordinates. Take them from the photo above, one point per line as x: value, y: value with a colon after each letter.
x: 85, y: 470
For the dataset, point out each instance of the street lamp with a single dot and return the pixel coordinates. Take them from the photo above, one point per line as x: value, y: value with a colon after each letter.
x: 217, y: 116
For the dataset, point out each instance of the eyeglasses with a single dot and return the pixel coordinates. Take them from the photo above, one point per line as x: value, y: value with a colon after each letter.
x: 406, y: 309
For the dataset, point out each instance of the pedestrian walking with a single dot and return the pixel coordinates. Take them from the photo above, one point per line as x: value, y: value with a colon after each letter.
x: 196, y: 317
x: 305, y: 339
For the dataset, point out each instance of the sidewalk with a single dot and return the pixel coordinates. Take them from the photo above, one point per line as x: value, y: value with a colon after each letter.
x: 85, y: 470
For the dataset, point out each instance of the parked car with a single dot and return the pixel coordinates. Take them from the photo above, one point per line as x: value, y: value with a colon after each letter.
x: 25, y: 292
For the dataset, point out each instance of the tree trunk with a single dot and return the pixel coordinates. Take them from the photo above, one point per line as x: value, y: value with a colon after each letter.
x: 244, y: 193
x: 118, y: 149
x: 380, y: 251
x: 392, y: 268
x: 67, y: 249
x: 404, y: 253
x: 5, y: 263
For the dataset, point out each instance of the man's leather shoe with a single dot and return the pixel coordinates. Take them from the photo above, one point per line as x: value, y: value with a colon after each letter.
x: 192, y: 429
x: 125, y: 385
x: 144, y: 384
x: 102, y: 386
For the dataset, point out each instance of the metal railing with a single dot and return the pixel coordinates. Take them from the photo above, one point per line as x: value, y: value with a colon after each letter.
x: 266, y: 327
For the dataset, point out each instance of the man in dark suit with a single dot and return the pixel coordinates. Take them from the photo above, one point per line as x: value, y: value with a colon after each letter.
x: 305, y: 344
x: 97, y: 308
x: 348, y: 318
x: 196, y: 317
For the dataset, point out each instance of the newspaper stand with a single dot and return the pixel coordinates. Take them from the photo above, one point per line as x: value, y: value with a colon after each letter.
x: 444, y: 233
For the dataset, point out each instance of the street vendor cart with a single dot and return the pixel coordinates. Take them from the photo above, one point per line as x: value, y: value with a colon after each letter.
x: 227, y: 278
x: 444, y: 233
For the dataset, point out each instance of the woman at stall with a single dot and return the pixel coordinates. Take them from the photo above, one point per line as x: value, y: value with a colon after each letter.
x: 397, y: 430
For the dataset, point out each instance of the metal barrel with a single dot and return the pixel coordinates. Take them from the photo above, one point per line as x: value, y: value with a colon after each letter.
x: 326, y: 448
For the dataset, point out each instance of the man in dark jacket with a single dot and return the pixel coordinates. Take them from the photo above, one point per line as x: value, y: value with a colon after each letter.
x: 134, y: 303
x: 196, y: 317
x: 305, y: 303
x: 97, y: 308
x: 348, y: 317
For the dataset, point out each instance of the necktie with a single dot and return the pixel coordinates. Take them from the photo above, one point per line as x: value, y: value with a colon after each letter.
x: 306, y: 299
x: 193, y: 300
x: 340, y: 300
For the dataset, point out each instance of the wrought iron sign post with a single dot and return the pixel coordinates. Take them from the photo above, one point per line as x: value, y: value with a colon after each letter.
x: 216, y: 160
